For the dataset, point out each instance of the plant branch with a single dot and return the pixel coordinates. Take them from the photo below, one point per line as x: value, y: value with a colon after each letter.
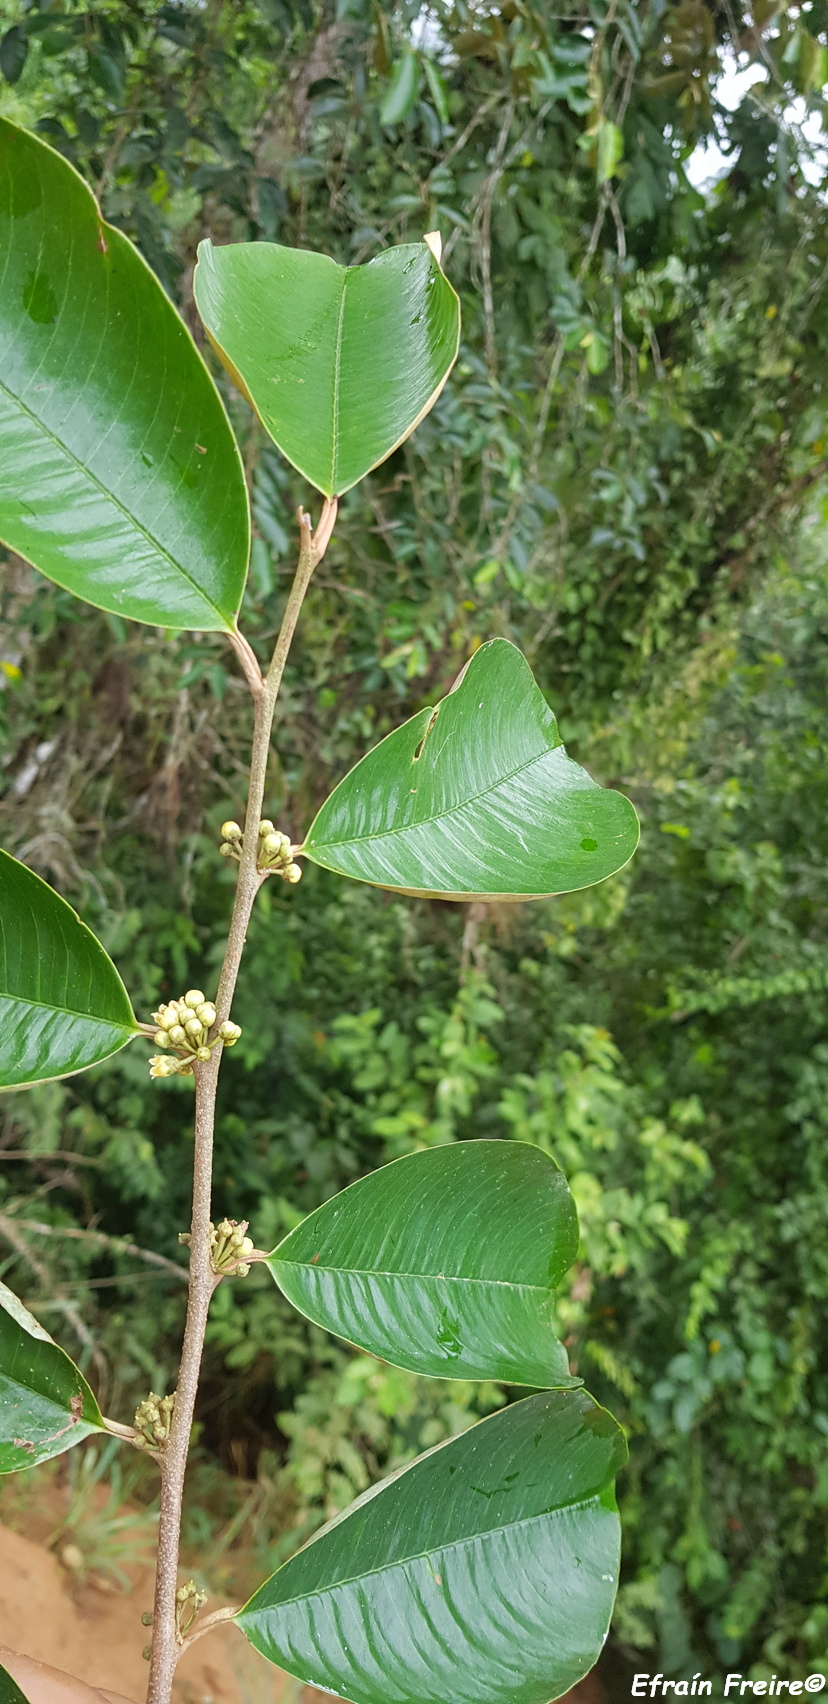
x: 128, y: 1433
x: 35, y: 1156
x: 248, y: 659
x: 119, y: 1245
x: 10, y: 1229
x: 166, y: 1641
x: 209, y: 1622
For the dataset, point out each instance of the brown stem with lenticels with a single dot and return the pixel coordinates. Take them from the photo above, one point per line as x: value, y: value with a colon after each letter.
x: 167, y: 1643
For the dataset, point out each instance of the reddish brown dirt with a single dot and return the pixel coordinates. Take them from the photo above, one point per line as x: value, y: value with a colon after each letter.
x: 97, y: 1636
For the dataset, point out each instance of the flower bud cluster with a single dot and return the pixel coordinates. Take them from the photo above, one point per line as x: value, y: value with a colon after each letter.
x: 185, y: 1025
x: 228, y: 1246
x: 153, y: 1419
x: 188, y: 1601
x: 275, y: 853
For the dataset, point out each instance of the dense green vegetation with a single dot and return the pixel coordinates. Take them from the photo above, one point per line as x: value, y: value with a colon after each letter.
x: 625, y: 474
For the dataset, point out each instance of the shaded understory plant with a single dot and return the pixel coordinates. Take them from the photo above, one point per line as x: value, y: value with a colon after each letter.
x: 485, y: 1571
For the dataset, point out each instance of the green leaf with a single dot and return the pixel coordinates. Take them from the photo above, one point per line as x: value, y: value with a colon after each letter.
x: 437, y: 89
x: 46, y: 1405
x: 14, y: 51
x: 402, y: 90
x: 610, y: 150
x: 445, y: 1262
x: 119, y: 474
x: 485, y: 1573
x: 10, y: 1692
x: 597, y: 350
x: 340, y: 362
x: 63, y: 1006
x: 476, y: 799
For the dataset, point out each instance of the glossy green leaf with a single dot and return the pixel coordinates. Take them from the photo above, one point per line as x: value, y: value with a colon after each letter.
x: 476, y: 799
x: 485, y: 1573
x: 340, y: 362
x: 46, y: 1405
x: 63, y: 1005
x: 119, y: 474
x: 445, y: 1262
x: 10, y: 1692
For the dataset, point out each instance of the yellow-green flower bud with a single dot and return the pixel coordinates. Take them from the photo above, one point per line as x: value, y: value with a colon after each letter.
x: 230, y: 1033
x: 194, y: 998
x: 177, y: 1035
x: 230, y: 831
x: 160, y: 1038
x: 265, y: 827
x: 228, y: 1244
x: 203, y: 1053
x: 163, y: 1066
x: 165, y: 1017
x: 206, y: 1014
x: 228, y: 851
x: 193, y: 1028
x: 293, y: 873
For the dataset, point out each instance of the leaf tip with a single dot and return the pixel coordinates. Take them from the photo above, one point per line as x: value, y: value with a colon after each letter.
x: 434, y: 242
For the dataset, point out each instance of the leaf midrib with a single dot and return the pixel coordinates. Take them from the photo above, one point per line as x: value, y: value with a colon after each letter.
x: 591, y: 1501
x: 68, y: 1011
x: 437, y: 816
x: 419, y: 1277
x: 115, y: 501
x: 336, y: 378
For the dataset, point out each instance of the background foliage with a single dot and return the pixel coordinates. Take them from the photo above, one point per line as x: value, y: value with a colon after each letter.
x: 624, y: 475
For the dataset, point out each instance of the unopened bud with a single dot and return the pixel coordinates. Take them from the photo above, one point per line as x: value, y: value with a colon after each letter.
x: 153, y: 1419
x: 265, y: 827
x: 177, y: 1035
x: 230, y: 1033
x: 228, y: 1245
x: 188, y: 1601
x: 160, y: 1038
x: 193, y: 1028
x: 227, y: 851
x: 206, y: 1014
x: 293, y: 873
x: 146, y: 1618
x: 230, y: 831
x: 203, y: 1053
x: 161, y: 1065
x: 194, y: 998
